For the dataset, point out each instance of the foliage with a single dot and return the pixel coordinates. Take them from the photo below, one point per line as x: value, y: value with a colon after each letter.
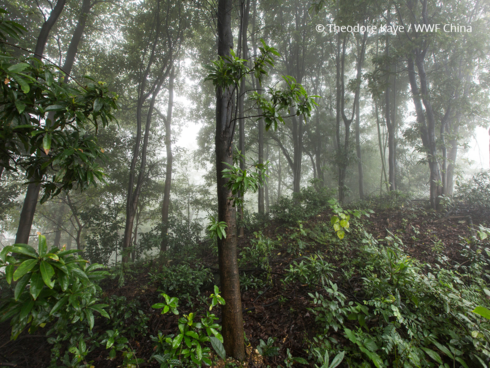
x: 240, y: 182
x: 104, y: 238
x: 216, y: 229
x: 181, y: 236
x: 182, y: 280
x: 187, y: 347
x: 50, y: 284
x: 309, y: 202
x: 474, y: 192
x: 408, y: 317
x: 47, y: 125
x: 259, y: 251
x: 9, y: 28
x: 267, y: 348
x: 309, y: 271
x: 127, y: 316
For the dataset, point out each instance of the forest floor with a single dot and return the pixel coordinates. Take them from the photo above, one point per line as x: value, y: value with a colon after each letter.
x: 279, y: 310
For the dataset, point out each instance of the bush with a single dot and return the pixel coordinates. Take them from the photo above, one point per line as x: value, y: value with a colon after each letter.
x: 476, y: 191
x: 182, y: 280
x: 307, y: 203
x: 51, y: 285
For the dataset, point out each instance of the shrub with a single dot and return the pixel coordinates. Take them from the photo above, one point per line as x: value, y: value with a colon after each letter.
x: 307, y: 203
x: 51, y: 285
x: 182, y: 280
x: 475, y: 191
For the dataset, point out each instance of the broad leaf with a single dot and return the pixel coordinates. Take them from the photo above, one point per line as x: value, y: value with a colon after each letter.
x: 37, y: 285
x: 24, y: 249
x: 482, y: 311
x: 24, y: 268
x: 21, y: 285
x: 218, y: 347
x: 47, y: 272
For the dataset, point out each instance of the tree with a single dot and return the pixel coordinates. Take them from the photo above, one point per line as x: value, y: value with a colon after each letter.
x: 150, y: 73
x: 227, y: 74
x: 29, y: 94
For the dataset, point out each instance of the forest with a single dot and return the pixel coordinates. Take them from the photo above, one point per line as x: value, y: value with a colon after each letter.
x: 244, y: 183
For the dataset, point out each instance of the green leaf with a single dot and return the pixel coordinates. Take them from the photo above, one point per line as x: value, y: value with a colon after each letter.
x: 55, y: 108
x: 20, y: 106
x: 100, y: 308
x: 199, y: 352
x: 444, y: 349
x: 80, y: 274
x: 17, y: 68
x: 59, y: 304
x: 433, y: 355
x: 90, y: 317
x: 158, y: 305
x: 192, y: 334
x: 9, y: 273
x: 43, y: 247
x: 64, y: 281
x: 337, y: 360
x: 4, y: 251
x: 24, y: 249
x: 47, y: 272
x: 218, y: 347
x: 300, y: 360
x: 463, y: 363
x: 177, y: 340
x: 37, y: 285
x: 98, y: 103
x: 26, y: 309
x: 66, y: 252
x: 23, y: 84
x: 24, y: 268
x: 46, y: 148
x: 482, y: 311
x: 21, y: 285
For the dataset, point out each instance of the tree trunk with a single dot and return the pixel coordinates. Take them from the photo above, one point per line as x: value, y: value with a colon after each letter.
x: 389, y: 124
x: 279, y: 178
x: 133, y: 194
x: 42, y: 39
x: 59, y: 221
x: 266, y: 186
x: 168, y: 173
x: 244, y: 9
x: 76, y: 38
x: 343, y: 151
x: 135, y: 183
x: 227, y: 247
x: 27, y: 214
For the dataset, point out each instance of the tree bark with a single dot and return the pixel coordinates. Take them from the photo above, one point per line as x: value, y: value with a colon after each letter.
x: 245, y: 9
x: 168, y: 173
x: 343, y: 150
x: 389, y: 124
x: 59, y: 221
x: 76, y: 38
x: 42, y: 39
x: 266, y: 186
x: 227, y: 247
